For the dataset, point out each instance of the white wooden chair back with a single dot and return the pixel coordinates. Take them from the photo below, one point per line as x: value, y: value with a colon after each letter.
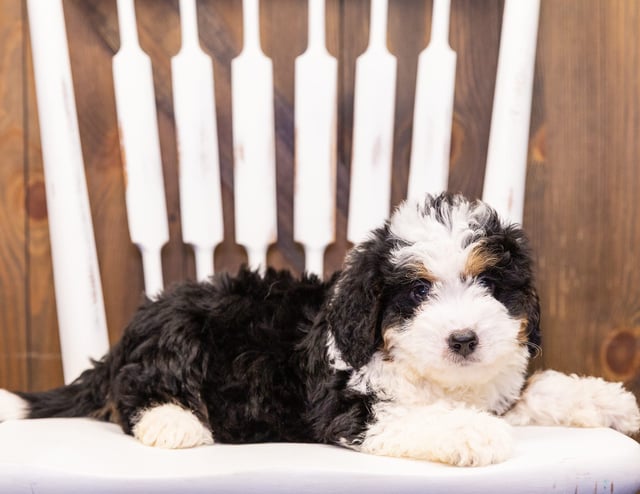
x: 83, y: 331
x: 83, y: 336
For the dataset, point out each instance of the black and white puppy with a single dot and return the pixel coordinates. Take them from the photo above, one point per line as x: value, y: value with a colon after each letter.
x: 417, y: 348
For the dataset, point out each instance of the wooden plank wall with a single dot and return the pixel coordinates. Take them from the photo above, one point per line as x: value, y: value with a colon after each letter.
x: 582, y: 203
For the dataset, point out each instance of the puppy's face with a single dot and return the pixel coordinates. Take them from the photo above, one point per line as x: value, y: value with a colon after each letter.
x: 445, y: 291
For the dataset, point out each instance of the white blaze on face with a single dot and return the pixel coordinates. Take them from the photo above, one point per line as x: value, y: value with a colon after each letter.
x: 443, y: 248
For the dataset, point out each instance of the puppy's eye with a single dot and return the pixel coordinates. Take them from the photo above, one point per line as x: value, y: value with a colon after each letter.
x: 488, y: 283
x: 419, y: 291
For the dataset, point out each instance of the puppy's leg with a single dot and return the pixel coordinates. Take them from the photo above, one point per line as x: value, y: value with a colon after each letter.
x: 553, y: 398
x: 12, y: 406
x: 443, y: 433
x: 158, y: 414
x: 160, y: 404
x: 171, y: 426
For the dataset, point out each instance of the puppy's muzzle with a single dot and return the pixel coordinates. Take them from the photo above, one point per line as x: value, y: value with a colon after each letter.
x: 463, y: 342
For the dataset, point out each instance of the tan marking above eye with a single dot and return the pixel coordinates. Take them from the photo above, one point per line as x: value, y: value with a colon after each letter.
x: 478, y: 261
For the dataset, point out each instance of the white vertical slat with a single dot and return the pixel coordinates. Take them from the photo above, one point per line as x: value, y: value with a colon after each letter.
x: 81, y: 317
x: 316, y: 86
x: 253, y: 143
x: 505, y: 175
x: 140, y: 148
x: 375, y: 87
x: 433, y: 109
x: 197, y: 136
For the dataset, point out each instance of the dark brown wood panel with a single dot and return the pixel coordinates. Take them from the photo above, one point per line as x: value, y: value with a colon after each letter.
x: 350, y: 23
x: 220, y: 24
x: 94, y: 25
x: 159, y: 28
x: 584, y: 221
x: 284, y: 37
x: 408, y: 32
x: 475, y: 36
x: 13, y: 259
x: 583, y: 178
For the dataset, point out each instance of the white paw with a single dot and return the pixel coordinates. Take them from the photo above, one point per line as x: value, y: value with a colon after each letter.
x: 605, y: 404
x: 482, y: 440
x: 441, y: 433
x: 171, y: 426
x: 12, y: 406
x: 553, y: 398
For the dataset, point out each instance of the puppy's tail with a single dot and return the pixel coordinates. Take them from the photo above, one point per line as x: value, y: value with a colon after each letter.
x: 84, y: 397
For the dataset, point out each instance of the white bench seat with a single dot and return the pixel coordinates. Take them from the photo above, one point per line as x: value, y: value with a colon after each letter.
x: 82, y: 455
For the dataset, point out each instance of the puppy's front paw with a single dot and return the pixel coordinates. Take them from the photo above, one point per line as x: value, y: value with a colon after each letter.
x: 442, y: 433
x: 480, y: 440
x: 172, y: 427
x: 553, y: 398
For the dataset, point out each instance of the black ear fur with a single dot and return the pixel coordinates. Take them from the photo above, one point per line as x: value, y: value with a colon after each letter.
x: 533, y: 322
x: 511, y: 245
x: 508, y: 243
x: 354, y: 310
x: 521, y: 264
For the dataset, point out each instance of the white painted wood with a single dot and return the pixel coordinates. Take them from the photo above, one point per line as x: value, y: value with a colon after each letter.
x: 140, y: 148
x: 316, y: 106
x: 505, y: 174
x: 433, y: 109
x: 81, y: 316
x: 373, y: 120
x: 83, y: 455
x: 253, y: 143
x: 197, y: 137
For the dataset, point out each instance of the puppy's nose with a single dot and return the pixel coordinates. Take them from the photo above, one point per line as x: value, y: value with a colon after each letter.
x: 463, y: 341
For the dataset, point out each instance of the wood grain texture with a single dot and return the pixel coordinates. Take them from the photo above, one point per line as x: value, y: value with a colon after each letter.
x: 475, y: 37
x: 584, y: 221
x: 407, y: 37
x: 220, y: 25
x: 350, y: 22
x: 284, y: 37
x: 13, y: 261
x: 93, y: 85
x: 581, y: 208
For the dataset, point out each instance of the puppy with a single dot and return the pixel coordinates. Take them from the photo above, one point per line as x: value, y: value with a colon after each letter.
x: 418, y: 348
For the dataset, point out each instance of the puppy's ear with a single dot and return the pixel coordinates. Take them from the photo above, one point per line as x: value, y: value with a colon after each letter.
x: 353, y: 314
x: 509, y: 246
x: 521, y: 264
x: 518, y: 262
